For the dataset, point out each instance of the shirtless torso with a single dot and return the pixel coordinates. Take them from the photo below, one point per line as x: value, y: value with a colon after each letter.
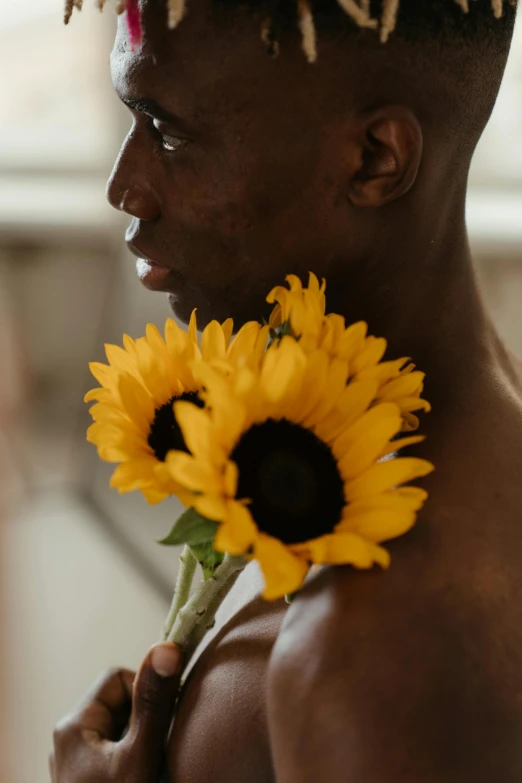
x: 422, y: 663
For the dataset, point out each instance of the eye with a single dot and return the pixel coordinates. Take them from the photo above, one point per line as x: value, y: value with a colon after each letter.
x: 172, y: 143
x: 169, y: 142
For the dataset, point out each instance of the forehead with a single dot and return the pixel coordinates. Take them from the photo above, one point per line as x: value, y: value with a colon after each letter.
x: 203, y: 49
x: 217, y: 50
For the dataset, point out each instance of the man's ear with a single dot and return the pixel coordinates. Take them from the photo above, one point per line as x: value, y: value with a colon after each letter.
x: 390, y: 150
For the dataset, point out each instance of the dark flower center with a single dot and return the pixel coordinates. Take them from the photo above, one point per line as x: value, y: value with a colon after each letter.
x: 165, y: 432
x: 292, y: 479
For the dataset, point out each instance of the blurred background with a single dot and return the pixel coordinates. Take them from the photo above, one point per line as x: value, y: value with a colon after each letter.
x: 83, y: 583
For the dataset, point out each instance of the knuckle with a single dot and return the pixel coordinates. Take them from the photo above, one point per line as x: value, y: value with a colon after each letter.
x: 61, y: 731
x: 114, y: 673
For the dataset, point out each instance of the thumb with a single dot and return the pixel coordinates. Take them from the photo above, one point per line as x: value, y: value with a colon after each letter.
x: 153, y: 698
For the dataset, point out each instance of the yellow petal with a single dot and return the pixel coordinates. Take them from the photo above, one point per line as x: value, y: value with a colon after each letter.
x: 402, y: 500
x: 212, y: 507
x: 231, y: 479
x: 100, y: 394
x: 277, y: 293
x: 283, y: 571
x: 411, y: 422
x: 351, y: 405
x: 379, y: 524
x: 104, y: 374
x: 352, y: 341
x: 196, y: 429
x: 213, y: 343
x: 133, y: 475
x: 154, y: 374
x: 295, y: 283
x: 228, y: 328
x: 337, y: 375
x: 372, y: 353
x: 283, y: 367
x: 379, y: 414
x: 382, y: 372
x: 119, y: 359
x: 175, y: 338
x: 386, y: 475
x: 401, y: 443
x: 193, y: 327
x: 154, y: 496
x: 129, y: 344
x: 275, y: 316
x: 344, y: 549
x: 237, y: 533
x: 244, y: 343
x: 364, y: 451
x: 414, y: 495
x: 409, y: 404
x: 112, y: 453
x: 332, y: 330
x: 110, y: 413
x: 193, y: 474
x: 314, y: 384
x: 136, y: 402
x: 403, y: 386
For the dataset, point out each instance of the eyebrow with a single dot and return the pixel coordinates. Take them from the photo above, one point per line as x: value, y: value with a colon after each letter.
x: 149, y: 106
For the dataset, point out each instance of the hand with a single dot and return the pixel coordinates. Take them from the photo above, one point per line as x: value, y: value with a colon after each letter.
x: 89, y: 744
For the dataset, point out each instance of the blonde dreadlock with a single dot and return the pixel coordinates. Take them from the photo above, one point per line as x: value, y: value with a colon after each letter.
x: 358, y: 10
x: 359, y: 13
x: 464, y: 4
x: 70, y: 5
x: 176, y: 12
x: 307, y: 28
x: 390, y: 10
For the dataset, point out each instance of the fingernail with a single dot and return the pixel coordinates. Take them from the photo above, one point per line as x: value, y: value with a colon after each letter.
x: 166, y: 659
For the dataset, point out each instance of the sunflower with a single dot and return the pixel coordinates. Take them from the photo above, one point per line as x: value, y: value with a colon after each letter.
x: 301, y: 312
x: 134, y: 421
x: 287, y: 458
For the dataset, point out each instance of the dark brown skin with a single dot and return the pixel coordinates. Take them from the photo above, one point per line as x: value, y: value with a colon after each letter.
x: 414, y: 675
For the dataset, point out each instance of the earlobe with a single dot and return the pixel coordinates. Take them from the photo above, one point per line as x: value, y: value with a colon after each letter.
x: 390, y: 153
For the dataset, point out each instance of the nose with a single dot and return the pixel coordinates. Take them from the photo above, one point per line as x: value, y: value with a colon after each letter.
x: 128, y: 190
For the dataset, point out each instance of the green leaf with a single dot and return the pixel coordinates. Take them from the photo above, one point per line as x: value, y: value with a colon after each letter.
x: 285, y: 328
x: 190, y: 528
x: 275, y: 335
x: 207, y: 557
x: 289, y: 597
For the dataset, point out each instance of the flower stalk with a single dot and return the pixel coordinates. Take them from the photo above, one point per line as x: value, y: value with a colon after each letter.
x: 198, y: 613
x: 187, y: 569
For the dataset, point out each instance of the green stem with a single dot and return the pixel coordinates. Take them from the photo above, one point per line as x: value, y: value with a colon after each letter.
x: 187, y: 569
x: 206, y: 595
x: 208, y: 620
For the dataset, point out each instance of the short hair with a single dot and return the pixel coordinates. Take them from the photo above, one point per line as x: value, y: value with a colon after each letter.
x: 410, y: 19
x: 460, y: 46
x: 487, y: 23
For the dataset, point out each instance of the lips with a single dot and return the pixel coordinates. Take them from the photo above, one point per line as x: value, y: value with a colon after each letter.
x: 152, y: 272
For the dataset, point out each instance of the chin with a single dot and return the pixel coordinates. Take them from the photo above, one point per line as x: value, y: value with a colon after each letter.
x: 182, y: 308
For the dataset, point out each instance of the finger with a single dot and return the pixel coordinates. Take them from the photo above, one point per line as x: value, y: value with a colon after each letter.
x: 154, y: 696
x: 104, y: 711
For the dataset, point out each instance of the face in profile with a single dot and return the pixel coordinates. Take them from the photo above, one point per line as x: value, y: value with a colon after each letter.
x: 230, y: 172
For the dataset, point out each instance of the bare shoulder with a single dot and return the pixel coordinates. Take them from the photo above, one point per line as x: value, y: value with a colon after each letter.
x: 410, y: 675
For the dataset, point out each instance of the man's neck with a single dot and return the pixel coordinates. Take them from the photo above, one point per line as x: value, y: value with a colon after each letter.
x: 423, y: 297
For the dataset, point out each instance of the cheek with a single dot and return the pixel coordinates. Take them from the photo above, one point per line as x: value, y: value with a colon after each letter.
x: 205, y: 192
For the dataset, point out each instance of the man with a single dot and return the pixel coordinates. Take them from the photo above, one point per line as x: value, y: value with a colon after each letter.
x: 240, y: 168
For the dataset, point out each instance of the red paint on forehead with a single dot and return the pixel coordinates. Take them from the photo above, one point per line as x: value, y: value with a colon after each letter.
x: 134, y: 24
